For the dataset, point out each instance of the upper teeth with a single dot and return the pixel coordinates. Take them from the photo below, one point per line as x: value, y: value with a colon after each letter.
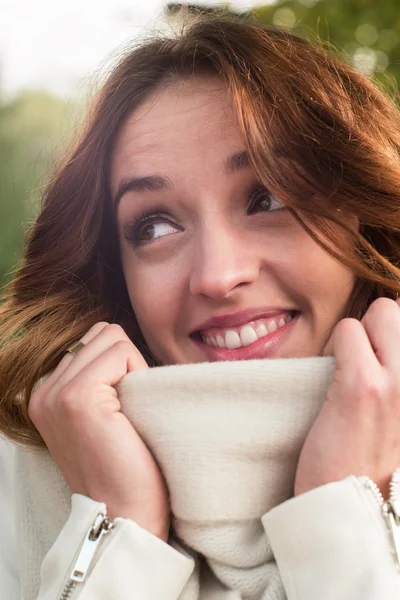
x: 247, y: 334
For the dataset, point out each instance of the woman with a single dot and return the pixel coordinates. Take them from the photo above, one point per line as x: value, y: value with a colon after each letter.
x: 234, y: 196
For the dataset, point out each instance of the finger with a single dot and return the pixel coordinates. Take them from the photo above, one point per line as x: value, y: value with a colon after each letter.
x: 107, y: 369
x: 106, y: 338
x: 328, y: 348
x: 352, y: 349
x: 68, y: 357
x: 382, y: 324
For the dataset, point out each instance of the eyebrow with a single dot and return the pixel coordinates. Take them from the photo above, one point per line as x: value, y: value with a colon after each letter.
x: 150, y: 183
x: 238, y: 161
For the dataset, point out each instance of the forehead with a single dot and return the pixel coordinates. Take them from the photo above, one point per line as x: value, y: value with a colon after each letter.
x: 187, y: 120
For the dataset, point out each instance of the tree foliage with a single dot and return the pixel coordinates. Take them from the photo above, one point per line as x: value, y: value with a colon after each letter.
x: 365, y: 31
x: 32, y: 129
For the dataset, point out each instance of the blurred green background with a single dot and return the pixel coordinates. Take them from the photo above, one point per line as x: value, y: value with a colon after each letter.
x: 35, y: 125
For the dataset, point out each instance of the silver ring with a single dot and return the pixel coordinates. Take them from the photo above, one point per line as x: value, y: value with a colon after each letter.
x: 75, y: 348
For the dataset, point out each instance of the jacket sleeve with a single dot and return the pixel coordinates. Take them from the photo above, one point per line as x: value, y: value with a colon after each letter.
x: 333, y: 543
x: 129, y: 562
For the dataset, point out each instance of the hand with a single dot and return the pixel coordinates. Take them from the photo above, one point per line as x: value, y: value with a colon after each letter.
x: 78, y: 414
x: 357, y: 429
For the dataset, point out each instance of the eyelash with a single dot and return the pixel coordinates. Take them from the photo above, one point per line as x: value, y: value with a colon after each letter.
x: 255, y: 192
x: 133, y: 228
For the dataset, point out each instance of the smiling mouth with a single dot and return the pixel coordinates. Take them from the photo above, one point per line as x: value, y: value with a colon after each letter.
x: 244, y: 335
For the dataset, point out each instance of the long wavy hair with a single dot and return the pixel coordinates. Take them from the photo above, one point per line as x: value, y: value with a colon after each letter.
x: 321, y: 137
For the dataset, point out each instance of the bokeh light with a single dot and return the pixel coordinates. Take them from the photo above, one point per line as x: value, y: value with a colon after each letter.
x: 309, y: 3
x: 388, y: 39
x: 284, y: 17
x: 366, y: 35
x: 382, y: 60
x: 365, y: 60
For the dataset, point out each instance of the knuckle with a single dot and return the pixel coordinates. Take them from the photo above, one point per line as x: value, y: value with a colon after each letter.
x: 37, y: 405
x: 34, y: 406
x: 371, y: 389
x: 99, y: 325
x: 383, y: 301
x: 69, y: 399
x: 93, y: 332
x: 123, y: 346
x: 116, y: 330
x: 347, y: 326
x: 96, y: 328
x: 368, y: 388
x: 379, y: 305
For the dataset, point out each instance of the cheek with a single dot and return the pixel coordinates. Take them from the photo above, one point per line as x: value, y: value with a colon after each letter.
x: 155, y: 294
x: 320, y: 283
x: 327, y: 282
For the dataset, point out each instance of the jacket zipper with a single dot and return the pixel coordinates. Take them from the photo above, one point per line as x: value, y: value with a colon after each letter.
x: 102, y: 525
x: 390, y: 509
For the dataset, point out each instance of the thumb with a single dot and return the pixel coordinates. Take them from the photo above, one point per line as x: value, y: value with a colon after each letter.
x: 328, y: 348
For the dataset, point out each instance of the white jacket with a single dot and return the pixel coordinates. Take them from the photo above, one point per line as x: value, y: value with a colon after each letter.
x: 331, y: 543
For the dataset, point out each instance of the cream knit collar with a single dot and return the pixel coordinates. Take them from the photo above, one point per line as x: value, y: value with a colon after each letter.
x: 227, y: 437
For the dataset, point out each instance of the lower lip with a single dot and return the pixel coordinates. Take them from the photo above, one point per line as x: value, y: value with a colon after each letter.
x: 266, y: 347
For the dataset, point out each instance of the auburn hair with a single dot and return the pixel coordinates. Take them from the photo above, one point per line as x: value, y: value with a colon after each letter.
x: 320, y: 136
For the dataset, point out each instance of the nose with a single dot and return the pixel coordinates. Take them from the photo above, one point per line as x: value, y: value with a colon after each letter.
x: 223, y: 261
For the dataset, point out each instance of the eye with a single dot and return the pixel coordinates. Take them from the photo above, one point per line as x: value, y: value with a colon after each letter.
x: 261, y: 200
x: 154, y: 230
x: 149, y: 228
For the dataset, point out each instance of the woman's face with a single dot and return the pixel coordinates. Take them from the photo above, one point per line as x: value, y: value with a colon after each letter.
x: 216, y: 268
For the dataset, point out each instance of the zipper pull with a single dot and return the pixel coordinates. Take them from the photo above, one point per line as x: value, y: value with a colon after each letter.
x: 99, y: 529
x: 391, y: 512
x: 394, y: 528
x: 394, y: 494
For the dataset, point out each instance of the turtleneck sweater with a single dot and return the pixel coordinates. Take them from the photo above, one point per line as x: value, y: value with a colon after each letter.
x: 227, y: 437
